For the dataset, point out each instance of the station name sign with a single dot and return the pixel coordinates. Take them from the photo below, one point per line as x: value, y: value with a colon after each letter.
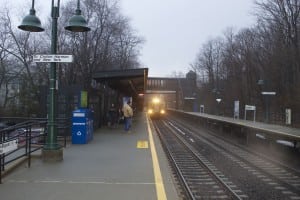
x: 53, y: 58
x: 249, y: 107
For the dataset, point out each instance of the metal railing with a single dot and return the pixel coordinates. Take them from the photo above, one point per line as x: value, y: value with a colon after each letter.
x: 23, y: 139
x: 20, y: 141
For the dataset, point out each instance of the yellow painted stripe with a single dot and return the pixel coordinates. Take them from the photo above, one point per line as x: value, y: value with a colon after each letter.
x: 160, y: 188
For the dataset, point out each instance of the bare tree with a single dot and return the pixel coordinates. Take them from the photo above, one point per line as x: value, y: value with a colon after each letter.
x: 111, y: 43
x: 269, y: 51
x: 282, y: 20
x: 16, y: 50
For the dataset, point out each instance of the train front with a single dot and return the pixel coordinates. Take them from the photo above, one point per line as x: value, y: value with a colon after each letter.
x: 156, y: 108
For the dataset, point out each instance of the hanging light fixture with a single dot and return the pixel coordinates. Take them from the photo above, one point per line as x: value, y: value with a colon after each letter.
x: 31, y: 22
x: 77, y: 22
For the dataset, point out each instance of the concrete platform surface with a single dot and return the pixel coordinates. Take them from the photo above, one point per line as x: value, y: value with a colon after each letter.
x: 114, y: 165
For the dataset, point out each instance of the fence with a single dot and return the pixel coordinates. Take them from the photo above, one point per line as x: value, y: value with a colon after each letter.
x: 21, y: 140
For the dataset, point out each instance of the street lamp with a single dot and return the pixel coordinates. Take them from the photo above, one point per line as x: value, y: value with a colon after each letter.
x: 32, y: 23
x: 218, y: 98
x: 218, y: 106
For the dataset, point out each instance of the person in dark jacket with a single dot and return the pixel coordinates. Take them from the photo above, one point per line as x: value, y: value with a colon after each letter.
x: 112, y: 116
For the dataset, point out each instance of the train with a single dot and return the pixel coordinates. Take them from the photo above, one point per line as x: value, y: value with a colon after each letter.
x: 156, y: 108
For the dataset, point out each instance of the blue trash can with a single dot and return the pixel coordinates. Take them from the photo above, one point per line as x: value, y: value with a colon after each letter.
x: 81, y: 126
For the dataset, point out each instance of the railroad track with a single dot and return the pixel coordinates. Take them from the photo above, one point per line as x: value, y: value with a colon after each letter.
x: 246, y: 173
x: 198, y: 177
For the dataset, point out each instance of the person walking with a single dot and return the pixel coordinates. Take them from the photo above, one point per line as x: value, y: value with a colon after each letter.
x: 128, y: 113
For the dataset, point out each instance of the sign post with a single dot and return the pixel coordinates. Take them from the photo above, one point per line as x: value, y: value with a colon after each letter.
x: 236, y: 113
x: 249, y: 107
x: 201, y: 108
x: 288, y: 116
x: 52, y: 147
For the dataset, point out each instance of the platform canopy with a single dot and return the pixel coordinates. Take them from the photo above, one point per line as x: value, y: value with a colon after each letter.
x: 129, y: 82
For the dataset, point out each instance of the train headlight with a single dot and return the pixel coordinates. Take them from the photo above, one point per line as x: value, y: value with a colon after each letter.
x: 150, y: 111
x: 162, y: 112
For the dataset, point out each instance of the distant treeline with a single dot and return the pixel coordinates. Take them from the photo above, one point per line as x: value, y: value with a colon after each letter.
x: 265, y: 57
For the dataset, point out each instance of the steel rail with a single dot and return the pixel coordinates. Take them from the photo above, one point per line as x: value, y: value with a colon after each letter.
x: 253, y: 153
x: 174, y: 164
x: 199, y: 160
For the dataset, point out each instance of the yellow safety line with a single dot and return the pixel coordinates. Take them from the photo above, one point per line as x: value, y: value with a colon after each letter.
x: 160, y: 189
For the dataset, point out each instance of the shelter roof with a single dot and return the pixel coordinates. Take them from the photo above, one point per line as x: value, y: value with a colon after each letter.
x: 129, y: 82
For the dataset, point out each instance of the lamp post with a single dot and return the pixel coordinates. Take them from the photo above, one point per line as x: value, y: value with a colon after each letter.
x: 218, y: 105
x: 31, y: 23
x: 218, y: 98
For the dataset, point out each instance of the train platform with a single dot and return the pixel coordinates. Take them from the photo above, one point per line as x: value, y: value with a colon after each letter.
x: 280, y: 130
x: 114, y: 165
x: 273, y: 130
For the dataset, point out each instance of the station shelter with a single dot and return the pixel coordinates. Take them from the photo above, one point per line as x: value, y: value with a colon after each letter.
x: 115, y: 85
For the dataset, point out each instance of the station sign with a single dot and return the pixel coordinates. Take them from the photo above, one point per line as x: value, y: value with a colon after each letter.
x: 248, y: 107
x: 268, y: 93
x: 8, y: 146
x: 53, y: 58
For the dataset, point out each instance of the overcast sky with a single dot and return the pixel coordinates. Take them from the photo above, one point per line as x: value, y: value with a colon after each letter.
x: 175, y: 30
